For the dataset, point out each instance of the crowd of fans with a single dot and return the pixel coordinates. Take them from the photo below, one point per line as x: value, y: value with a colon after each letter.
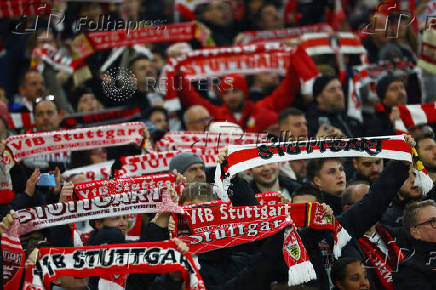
x: 377, y: 201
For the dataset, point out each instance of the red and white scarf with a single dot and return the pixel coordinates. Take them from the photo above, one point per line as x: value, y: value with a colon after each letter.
x: 21, y: 120
x: 19, y: 8
x: 92, y: 172
x: 242, y: 157
x: 110, y: 262
x: 179, y: 140
x: 150, y: 182
x: 280, y: 35
x: 85, y: 45
x: 382, y: 263
x: 53, y: 57
x: 13, y: 261
x: 6, y: 190
x: 110, y: 116
x: 413, y: 115
x: 31, y: 219
x: 31, y: 145
x: 427, y: 57
x: 211, y: 228
x: 244, y: 59
x: 154, y: 162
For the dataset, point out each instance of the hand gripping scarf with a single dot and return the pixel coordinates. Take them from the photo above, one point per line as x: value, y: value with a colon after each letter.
x: 242, y: 157
x: 382, y: 264
x: 31, y: 219
x: 30, y: 145
x: 115, y: 261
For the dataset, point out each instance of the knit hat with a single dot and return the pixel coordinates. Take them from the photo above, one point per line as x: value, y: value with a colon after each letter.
x: 383, y: 84
x: 78, y: 95
x: 234, y: 81
x: 4, y: 114
x: 183, y: 160
x: 320, y: 83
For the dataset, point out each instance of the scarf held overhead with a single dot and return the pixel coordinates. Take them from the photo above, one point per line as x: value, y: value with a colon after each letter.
x: 30, y: 145
x: 112, y: 260
x: 243, y: 157
x: 62, y: 213
x: 151, y: 182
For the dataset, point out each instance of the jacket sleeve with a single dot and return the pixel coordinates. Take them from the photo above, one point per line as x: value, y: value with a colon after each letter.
x: 240, y: 192
x: 301, y: 67
x: 365, y: 213
x: 190, y: 97
x: 22, y: 200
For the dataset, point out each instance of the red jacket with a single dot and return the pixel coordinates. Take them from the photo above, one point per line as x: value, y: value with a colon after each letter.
x: 301, y: 67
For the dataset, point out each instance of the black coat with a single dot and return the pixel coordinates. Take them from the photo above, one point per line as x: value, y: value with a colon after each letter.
x: 394, y: 214
x: 418, y: 270
x: 380, y: 124
x: 270, y: 265
x: 349, y: 126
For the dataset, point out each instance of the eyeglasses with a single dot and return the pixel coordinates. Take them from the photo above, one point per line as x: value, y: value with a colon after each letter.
x: 431, y: 222
x: 45, y: 98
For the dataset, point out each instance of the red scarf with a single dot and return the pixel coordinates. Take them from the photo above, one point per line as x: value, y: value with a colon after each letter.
x: 382, y: 265
x: 13, y: 261
x: 114, y: 262
x: 110, y: 116
x: 31, y: 145
x: 19, y: 8
x: 150, y: 182
x: 154, y: 162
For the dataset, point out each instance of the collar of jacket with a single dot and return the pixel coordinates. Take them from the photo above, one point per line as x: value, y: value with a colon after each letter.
x: 380, y: 108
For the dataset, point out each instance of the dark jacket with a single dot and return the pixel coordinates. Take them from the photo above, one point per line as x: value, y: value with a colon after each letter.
x: 270, y: 265
x: 349, y: 126
x: 418, y: 270
x: 284, y: 182
x: 41, y: 196
x: 394, y: 214
x: 334, y: 201
x: 106, y: 235
x: 380, y: 124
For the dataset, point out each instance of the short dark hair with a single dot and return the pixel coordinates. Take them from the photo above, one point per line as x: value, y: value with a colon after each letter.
x: 49, y: 98
x: 339, y: 269
x: 135, y: 59
x: 314, y: 166
x: 426, y: 135
x: 410, y: 212
x: 289, y: 112
x: 23, y: 75
x: 308, y: 189
x: 158, y: 109
x: 347, y: 195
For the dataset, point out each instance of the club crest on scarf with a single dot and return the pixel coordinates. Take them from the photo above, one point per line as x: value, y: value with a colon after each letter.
x: 11, y: 264
x: 294, y: 250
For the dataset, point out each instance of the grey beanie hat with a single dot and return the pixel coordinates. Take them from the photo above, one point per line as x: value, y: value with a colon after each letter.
x: 182, y: 161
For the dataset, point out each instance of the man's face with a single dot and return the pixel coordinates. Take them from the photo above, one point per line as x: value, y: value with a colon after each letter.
x: 195, y: 173
x: 33, y: 87
x: 234, y: 99
x: 46, y: 116
x: 425, y: 232
x: 265, y: 175
x: 332, y: 178
x: 69, y: 282
x: 427, y: 151
x: 299, y: 167
x: 197, y: 119
x: 395, y: 94
x: 296, y: 126
x: 355, y: 278
x: 219, y: 13
x: 408, y: 190
x: 117, y: 222
x: 369, y: 167
x: 267, y: 81
x: 159, y: 119
x: 87, y: 103
x: 145, y: 73
x: 332, y: 98
x: 270, y: 18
